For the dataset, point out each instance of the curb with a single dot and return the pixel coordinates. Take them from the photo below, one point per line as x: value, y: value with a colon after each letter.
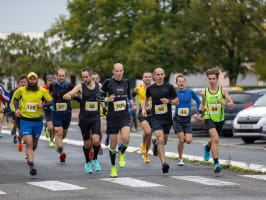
x: 172, y: 155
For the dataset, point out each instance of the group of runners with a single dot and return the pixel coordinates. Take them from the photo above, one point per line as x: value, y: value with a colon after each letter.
x: 113, y: 98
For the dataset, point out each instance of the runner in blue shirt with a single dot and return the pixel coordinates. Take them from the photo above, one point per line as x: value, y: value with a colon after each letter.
x: 182, y: 118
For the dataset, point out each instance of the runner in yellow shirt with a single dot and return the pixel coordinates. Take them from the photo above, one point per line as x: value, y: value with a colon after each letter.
x: 28, y: 105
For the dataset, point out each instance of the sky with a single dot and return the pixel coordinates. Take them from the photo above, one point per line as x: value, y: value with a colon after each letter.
x: 30, y: 15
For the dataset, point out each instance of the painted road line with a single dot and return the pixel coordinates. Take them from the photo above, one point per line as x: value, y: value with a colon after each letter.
x: 127, y: 181
x: 1, y: 192
x: 205, y: 181
x: 259, y: 177
x: 131, y: 149
x: 56, y: 185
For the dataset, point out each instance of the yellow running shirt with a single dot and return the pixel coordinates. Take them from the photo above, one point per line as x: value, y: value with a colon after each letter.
x: 29, y: 101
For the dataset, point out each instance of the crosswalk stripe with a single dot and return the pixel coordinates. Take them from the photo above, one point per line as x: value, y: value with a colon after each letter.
x: 56, y: 185
x: 1, y: 192
x: 205, y: 181
x: 127, y: 181
x: 259, y: 177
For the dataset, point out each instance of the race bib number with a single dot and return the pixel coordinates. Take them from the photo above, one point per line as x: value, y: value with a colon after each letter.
x: 161, y: 109
x: 149, y: 106
x: 31, y: 107
x: 120, y: 105
x: 61, y: 106
x: 184, y: 112
x: 91, y: 106
x: 214, y: 109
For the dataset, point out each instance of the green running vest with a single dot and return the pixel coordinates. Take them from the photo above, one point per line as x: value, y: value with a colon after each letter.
x: 214, y: 110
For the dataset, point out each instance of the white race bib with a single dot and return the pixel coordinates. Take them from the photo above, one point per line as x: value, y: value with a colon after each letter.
x: 161, y: 109
x: 183, y: 112
x: 120, y: 105
x: 31, y: 107
x: 61, y: 106
x: 214, y: 108
x: 91, y: 106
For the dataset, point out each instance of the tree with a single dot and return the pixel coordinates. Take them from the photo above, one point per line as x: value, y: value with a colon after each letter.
x: 21, y: 54
x: 227, y: 34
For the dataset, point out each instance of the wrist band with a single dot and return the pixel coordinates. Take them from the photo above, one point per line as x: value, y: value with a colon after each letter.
x: 106, y: 99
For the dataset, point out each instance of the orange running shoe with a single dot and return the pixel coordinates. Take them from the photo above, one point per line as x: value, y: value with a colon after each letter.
x: 20, y: 147
x: 62, y: 157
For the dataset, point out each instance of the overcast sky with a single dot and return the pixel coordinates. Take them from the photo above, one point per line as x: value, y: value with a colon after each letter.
x: 30, y: 15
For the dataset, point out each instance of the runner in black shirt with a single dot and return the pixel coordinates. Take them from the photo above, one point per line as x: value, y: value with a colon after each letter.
x: 163, y: 96
x: 118, y: 118
x: 89, y: 117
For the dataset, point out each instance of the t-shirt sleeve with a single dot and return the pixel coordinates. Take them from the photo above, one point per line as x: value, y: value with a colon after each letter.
x: 148, y: 94
x: 47, y: 96
x: 172, y: 92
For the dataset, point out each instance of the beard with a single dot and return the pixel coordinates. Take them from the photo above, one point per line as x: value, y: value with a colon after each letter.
x: 34, y: 87
x: 88, y: 82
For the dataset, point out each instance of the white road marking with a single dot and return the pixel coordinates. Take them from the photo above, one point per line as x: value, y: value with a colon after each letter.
x: 56, y: 185
x: 2, y: 192
x: 205, y: 181
x: 127, y: 181
x: 259, y: 177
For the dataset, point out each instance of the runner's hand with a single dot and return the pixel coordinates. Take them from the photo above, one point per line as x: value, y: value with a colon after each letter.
x: 17, y: 113
x: 144, y: 113
x: 39, y: 105
x: 165, y: 100
x: 111, y: 98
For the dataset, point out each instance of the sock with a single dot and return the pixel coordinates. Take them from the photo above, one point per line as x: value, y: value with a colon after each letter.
x: 216, y: 160
x: 208, y: 148
x: 96, y: 151
x: 86, y: 154
x: 60, y: 149
x: 123, y: 148
x: 112, y: 154
x: 31, y: 164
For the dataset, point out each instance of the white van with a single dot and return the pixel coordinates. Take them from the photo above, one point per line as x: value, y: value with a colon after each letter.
x: 250, y: 124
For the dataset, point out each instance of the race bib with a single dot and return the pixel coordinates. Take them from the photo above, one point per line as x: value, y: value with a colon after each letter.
x: 91, y: 106
x: 149, y: 106
x: 120, y: 105
x: 184, y: 112
x: 214, y: 109
x: 161, y: 109
x: 31, y: 107
x: 61, y: 106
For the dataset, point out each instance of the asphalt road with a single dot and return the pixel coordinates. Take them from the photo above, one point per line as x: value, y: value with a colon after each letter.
x: 137, y: 181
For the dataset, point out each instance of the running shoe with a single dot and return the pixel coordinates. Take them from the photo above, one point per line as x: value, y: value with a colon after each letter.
x: 206, y: 153
x: 20, y: 147
x: 88, y: 168
x: 13, y: 132
x: 0, y: 134
x: 146, y: 158
x: 106, y: 141
x: 154, y: 148
x: 91, y: 155
x: 51, y: 144
x: 96, y: 165
x: 7, y: 124
x: 25, y: 156
x: 122, y: 161
x: 15, y: 139
x: 165, y: 167
x: 217, y: 168
x: 180, y: 162
x: 47, y: 132
x: 33, y: 171
x: 113, y: 172
x: 62, y: 157
x: 100, y: 150
x: 143, y: 148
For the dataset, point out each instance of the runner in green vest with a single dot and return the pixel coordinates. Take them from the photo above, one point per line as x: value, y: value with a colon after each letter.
x: 214, y: 99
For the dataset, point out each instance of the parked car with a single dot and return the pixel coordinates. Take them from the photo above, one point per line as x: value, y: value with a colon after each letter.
x: 241, y: 99
x: 250, y: 124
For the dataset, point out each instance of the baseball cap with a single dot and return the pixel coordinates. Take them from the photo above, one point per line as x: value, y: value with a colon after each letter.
x: 32, y: 74
x: 49, y: 77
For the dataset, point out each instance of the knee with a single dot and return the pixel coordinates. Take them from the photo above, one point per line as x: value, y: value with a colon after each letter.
x: 215, y: 140
x: 160, y: 141
x: 181, y: 140
x: 188, y: 141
